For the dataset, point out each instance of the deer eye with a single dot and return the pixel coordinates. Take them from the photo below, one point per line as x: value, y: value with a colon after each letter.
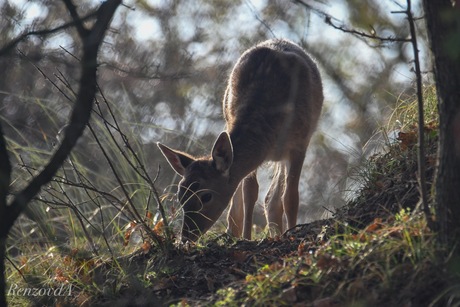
x: 205, y: 197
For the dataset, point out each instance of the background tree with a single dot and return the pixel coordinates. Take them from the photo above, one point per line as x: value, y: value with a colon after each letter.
x: 443, y: 24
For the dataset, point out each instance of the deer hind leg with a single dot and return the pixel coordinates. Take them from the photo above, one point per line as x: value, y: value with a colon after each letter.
x: 250, y: 196
x: 236, y: 213
x: 273, y: 200
x: 291, y: 192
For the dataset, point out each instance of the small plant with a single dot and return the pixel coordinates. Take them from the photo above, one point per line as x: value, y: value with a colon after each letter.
x: 101, y: 205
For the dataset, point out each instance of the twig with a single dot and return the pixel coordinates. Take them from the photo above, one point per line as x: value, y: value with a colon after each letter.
x: 144, y: 174
x: 328, y: 19
x: 363, y: 34
x: 16, y: 268
x: 11, y: 45
x: 134, y: 211
x: 45, y: 76
x: 80, y: 218
x: 79, y: 118
x: 421, y: 120
x: 256, y: 15
x: 82, y: 31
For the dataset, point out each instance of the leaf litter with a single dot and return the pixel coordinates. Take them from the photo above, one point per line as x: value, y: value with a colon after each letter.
x: 222, y: 270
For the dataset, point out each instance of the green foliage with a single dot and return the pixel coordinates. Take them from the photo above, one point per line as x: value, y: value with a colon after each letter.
x: 84, y: 212
x: 370, y: 266
x: 96, y: 225
x: 101, y: 204
x: 228, y: 297
x: 376, y: 254
x: 405, y: 114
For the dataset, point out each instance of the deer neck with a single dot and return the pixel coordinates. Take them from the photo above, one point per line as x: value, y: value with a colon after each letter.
x: 248, y: 153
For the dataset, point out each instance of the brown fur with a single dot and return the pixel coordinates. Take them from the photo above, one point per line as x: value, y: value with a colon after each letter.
x: 271, y: 105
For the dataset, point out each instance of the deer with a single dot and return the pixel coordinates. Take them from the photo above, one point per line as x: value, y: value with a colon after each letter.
x: 271, y: 106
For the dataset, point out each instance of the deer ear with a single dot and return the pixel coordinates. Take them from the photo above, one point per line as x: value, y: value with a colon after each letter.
x: 178, y: 160
x: 222, y: 153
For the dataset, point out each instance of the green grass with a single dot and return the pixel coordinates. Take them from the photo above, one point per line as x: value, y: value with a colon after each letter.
x: 391, y: 261
x: 353, y: 268
x: 405, y: 114
x: 81, y: 218
x: 96, y: 227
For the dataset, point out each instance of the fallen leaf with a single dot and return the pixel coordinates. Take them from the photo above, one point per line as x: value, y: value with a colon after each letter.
x: 408, y: 140
x: 159, y: 228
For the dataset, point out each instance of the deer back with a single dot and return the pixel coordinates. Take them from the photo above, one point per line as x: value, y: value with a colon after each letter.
x: 273, y: 100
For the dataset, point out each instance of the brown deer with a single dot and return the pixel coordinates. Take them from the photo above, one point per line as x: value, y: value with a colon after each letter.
x: 271, y: 105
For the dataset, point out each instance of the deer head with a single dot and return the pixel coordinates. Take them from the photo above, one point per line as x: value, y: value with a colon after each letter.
x: 206, y: 186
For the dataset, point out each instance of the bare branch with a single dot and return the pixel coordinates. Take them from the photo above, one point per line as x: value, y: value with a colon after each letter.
x: 80, y: 115
x: 363, y: 34
x: 421, y: 120
x: 328, y: 19
x: 140, y: 74
x: 42, y: 33
x: 82, y: 31
x: 256, y: 15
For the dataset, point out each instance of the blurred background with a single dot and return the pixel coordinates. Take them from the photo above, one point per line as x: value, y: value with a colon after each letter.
x: 163, y: 71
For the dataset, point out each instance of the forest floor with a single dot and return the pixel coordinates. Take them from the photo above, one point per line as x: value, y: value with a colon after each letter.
x: 377, y: 251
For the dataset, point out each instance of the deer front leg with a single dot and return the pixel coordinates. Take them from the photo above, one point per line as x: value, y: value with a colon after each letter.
x: 236, y: 213
x: 273, y: 201
x: 250, y: 196
x: 291, y: 192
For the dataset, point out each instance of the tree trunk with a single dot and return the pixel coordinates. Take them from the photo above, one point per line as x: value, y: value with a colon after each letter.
x: 443, y: 24
x: 2, y: 271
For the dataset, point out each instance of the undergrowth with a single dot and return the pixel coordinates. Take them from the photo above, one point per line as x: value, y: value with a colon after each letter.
x: 101, y: 205
x: 378, y: 250
x: 96, y: 228
x: 388, y: 263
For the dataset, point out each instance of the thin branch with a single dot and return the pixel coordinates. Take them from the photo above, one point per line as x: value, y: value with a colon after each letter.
x: 16, y: 268
x: 421, y: 120
x: 80, y: 217
x: 134, y: 212
x: 80, y: 114
x: 45, y: 76
x: 256, y: 15
x: 317, y: 11
x: 363, y: 34
x: 82, y: 31
x: 142, y: 172
x: 328, y: 19
x: 42, y: 33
